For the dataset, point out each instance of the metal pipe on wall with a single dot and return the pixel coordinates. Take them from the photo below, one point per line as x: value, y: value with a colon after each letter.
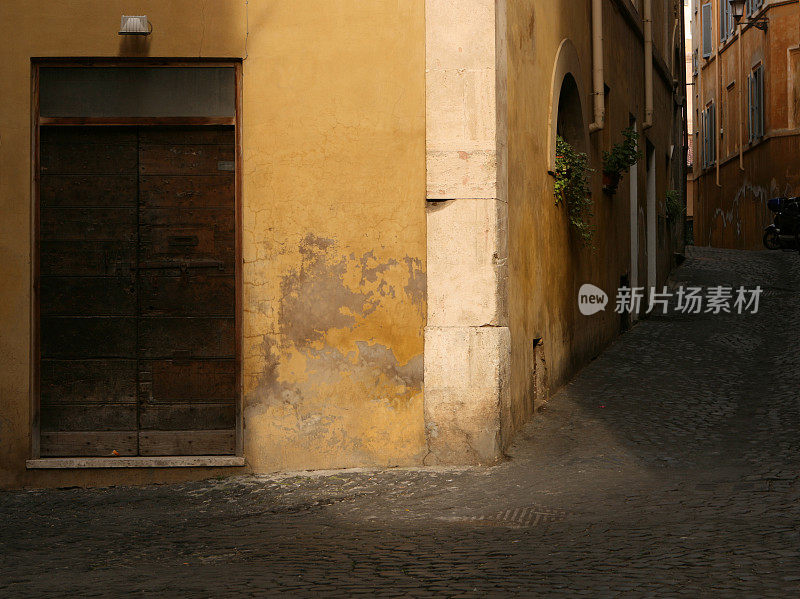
x: 648, y: 64
x: 742, y: 113
x: 718, y: 92
x: 598, y: 80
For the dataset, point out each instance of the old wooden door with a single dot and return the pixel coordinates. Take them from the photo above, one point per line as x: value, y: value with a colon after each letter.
x: 137, y: 291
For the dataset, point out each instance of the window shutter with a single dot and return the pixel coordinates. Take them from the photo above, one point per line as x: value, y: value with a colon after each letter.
x: 703, y: 134
x: 712, y: 108
x: 707, y: 17
x: 761, y: 111
x: 704, y: 128
x: 756, y: 105
x: 750, y: 108
x: 729, y: 10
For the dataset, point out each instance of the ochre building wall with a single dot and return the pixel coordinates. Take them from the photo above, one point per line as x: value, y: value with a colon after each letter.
x: 333, y: 220
x: 547, y: 265
x: 731, y: 196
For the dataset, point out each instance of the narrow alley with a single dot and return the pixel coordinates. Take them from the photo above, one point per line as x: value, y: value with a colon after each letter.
x: 667, y: 467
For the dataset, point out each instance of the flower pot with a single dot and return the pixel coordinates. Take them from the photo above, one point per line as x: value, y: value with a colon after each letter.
x: 611, y: 182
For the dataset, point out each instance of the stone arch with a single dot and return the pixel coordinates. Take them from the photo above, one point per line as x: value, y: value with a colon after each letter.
x: 568, y: 108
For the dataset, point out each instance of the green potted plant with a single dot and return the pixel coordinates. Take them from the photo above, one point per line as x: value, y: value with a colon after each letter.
x: 674, y: 205
x: 620, y: 158
x: 572, y: 188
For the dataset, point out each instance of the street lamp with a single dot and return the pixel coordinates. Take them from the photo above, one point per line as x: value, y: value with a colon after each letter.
x: 737, y: 9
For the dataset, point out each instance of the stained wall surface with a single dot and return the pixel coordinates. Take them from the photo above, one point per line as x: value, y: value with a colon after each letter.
x: 333, y: 219
x: 547, y: 264
x: 731, y: 195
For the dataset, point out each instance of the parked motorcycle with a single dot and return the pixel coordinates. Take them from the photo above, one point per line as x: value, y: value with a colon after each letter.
x: 784, y: 233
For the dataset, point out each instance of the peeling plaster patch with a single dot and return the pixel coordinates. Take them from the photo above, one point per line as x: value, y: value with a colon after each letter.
x: 373, y: 366
x: 362, y: 407
x: 417, y: 287
x: 340, y: 381
x: 381, y: 357
x: 733, y: 216
x: 315, y: 298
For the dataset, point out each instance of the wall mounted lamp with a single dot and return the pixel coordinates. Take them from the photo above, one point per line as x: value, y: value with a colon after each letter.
x: 737, y: 9
x: 135, y: 25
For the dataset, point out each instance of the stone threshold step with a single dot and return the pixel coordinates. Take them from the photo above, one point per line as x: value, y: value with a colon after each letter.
x: 192, y: 461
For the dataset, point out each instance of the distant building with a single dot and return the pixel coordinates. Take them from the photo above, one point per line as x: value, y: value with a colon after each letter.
x: 747, y: 111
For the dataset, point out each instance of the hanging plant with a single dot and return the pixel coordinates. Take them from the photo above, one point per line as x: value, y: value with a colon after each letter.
x: 572, y: 188
x: 674, y: 205
x: 619, y: 159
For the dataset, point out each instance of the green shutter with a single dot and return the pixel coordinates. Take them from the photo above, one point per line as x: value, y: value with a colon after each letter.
x: 707, y: 30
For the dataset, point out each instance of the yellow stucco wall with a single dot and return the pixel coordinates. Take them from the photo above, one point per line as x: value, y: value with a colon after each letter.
x: 333, y: 218
x: 547, y: 264
x: 731, y: 206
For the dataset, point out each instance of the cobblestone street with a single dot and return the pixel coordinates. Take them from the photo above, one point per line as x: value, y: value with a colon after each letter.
x: 668, y: 467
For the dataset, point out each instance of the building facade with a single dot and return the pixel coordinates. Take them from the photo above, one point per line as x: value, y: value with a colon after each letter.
x: 274, y: 236
x: 747, y: 116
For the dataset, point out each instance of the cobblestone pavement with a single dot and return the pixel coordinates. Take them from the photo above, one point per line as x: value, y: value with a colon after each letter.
x: 668, y: 467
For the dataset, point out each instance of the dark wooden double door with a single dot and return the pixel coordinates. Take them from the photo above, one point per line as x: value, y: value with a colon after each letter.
x: 137, y: 291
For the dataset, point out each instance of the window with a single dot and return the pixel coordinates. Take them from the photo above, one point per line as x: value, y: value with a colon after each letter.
x: 706, y: 19
x: 755, y: 89
x: 725, y: 20
x: 136, y: 91
x: 708, y: 125
x: 694, y: 62
x: 753, y: 6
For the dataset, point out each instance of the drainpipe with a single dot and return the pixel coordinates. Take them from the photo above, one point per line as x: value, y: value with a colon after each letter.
x: 718, y: 96
x: 598, y: 80
x: 648, y: 64
x: 741, y: 100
